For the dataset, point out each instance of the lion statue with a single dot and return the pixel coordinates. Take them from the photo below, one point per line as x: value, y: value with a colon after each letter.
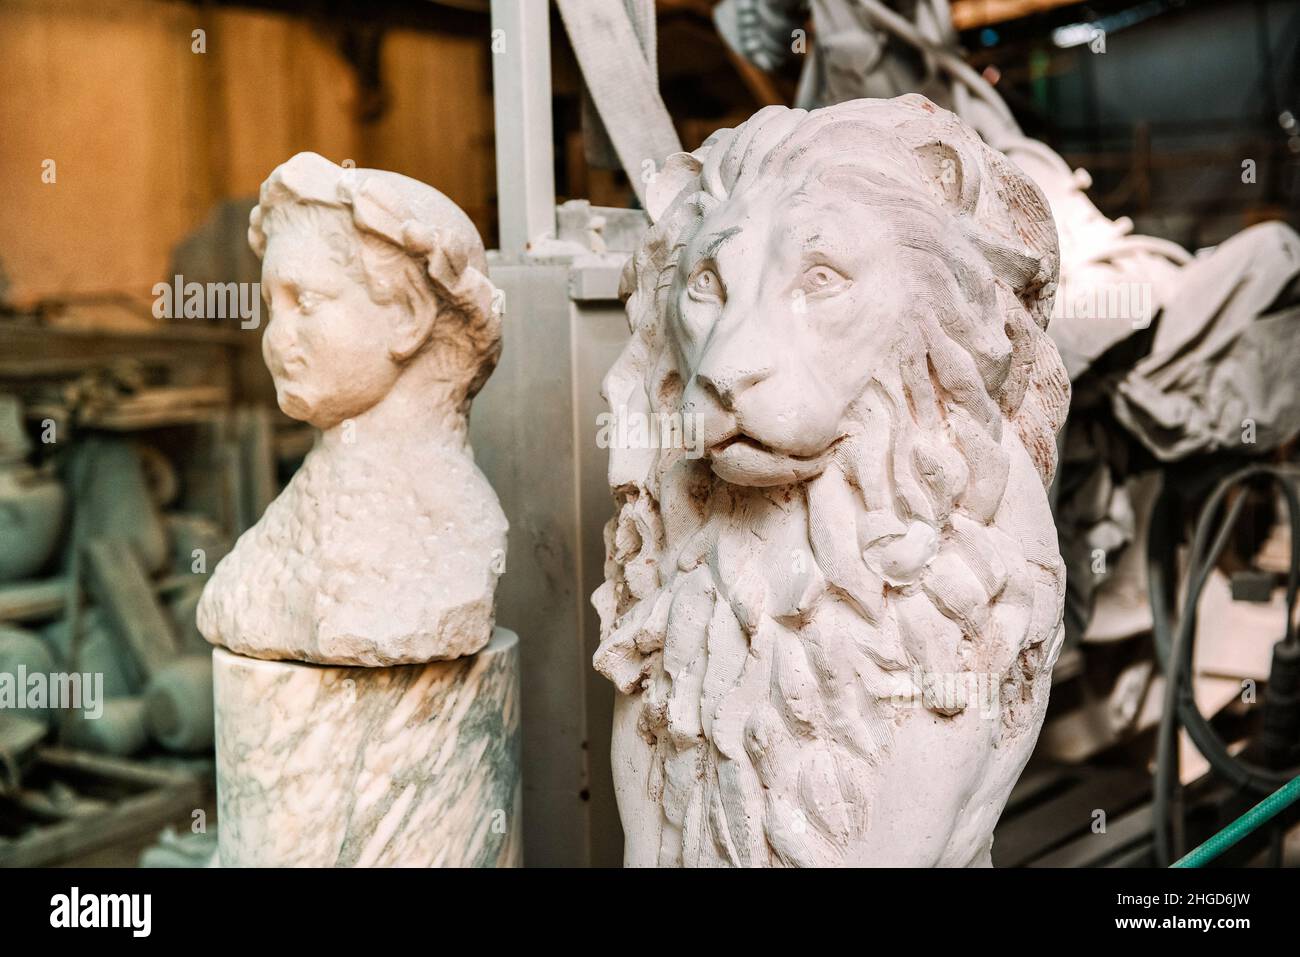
x: 832, y: 633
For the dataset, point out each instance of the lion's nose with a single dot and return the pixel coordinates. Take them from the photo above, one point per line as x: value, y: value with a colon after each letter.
x: 729, y: 384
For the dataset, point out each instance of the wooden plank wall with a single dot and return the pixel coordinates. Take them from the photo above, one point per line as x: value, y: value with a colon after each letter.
x: 147, y: 135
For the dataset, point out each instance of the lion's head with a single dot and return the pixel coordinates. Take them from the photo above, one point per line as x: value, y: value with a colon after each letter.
x: 851, y: 305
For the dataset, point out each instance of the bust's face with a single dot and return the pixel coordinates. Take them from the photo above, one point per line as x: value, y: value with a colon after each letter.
x: 327, y: 342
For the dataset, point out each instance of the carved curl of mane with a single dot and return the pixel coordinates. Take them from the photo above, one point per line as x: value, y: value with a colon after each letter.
x: 762, y: 680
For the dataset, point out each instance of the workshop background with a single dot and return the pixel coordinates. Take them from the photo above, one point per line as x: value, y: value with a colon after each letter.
x: 134, y: 449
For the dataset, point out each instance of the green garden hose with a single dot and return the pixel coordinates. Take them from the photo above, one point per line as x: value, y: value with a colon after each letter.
x: 1260, y: 814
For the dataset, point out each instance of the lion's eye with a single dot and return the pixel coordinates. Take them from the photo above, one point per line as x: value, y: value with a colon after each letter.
x: 823, y: 281
x: 705, y: 285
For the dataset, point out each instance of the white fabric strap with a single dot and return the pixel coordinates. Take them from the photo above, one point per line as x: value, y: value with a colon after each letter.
x: 623, y: 82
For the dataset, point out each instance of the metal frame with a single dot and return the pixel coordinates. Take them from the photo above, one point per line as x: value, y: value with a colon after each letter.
x: 521, y: 100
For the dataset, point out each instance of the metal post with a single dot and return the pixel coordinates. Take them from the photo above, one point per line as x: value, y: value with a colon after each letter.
x: 521, y: 97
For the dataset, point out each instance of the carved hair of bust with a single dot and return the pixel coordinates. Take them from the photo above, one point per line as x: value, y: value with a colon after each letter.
x: 386, y: 545
x: 832, y: 635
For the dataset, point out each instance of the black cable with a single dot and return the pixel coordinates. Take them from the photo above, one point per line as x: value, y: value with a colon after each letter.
x: 1175, y: 649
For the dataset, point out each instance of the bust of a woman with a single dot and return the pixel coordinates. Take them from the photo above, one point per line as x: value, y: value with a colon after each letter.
x: 386, y: 545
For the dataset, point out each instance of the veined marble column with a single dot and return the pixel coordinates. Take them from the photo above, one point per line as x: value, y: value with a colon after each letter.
x: 408, y: 766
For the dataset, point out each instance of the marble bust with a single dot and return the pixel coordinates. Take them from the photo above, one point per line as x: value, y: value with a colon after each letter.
x: 832, y: 634
x: 386, y: 545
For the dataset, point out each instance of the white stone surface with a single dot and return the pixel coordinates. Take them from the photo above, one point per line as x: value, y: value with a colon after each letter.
x: 411, y: 765
x: 832, y: 633
x: 386, y: 545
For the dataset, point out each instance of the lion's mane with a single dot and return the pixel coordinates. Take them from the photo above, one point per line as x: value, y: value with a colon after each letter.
x: 764, y: 681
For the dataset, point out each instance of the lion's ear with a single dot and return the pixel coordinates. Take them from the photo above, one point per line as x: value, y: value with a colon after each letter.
x: 1035, y: 228
x: 952, y: 174
x: 1016, y: 231
x: 678, y: 172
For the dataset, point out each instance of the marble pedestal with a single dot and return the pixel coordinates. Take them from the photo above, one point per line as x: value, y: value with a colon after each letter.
x: 411, y: 765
